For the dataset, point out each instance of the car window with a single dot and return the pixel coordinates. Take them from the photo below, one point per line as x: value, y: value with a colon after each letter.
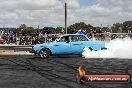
x: 78, y: 38
x: 62, y: 39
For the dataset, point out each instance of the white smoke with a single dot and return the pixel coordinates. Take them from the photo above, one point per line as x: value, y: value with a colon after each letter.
x: 117, y: 48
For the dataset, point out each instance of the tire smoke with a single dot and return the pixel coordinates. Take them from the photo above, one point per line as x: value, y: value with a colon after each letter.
x: 117, y: 48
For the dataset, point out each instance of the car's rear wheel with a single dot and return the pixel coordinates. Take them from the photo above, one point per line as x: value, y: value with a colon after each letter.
x: 44, y: 53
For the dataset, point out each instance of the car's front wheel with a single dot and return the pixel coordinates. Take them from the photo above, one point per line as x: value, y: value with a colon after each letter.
x: 44, y: 53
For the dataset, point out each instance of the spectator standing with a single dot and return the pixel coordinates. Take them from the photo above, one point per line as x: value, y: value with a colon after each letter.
x: 91, y: 33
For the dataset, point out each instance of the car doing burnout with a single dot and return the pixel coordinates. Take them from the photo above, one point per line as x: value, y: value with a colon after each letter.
x: 67, y: 44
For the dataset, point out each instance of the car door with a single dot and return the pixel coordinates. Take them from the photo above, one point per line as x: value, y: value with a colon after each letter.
x: 76, y: 45
x: 61, y: 47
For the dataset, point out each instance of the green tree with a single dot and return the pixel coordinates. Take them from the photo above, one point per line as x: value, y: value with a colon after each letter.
x: 117, y: 27
x: 60, y: 29
x: 20, y: 29
x: 75, y: 27
x: 22, y: 26
x: 127, y: 26
x: 24, y: 30
x: 28, y: 31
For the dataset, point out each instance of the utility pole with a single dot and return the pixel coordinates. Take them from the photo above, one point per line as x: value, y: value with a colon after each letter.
x: 65, y: 18
x: 38, y: 27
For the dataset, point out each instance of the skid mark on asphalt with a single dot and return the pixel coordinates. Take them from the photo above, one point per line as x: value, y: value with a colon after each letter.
x: 27, y: 65
x: 48, y: 69
x: 56, y: 77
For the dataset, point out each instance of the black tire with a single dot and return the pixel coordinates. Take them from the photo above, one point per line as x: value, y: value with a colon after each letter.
x: 44, y: 53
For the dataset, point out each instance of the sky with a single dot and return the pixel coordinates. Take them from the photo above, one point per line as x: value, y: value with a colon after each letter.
x: 13, y: 13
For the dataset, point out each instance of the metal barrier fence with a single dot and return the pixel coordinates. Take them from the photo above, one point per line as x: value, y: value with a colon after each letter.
x: 16, y: 48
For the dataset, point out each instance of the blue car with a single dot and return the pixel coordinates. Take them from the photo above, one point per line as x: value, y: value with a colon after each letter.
x: 67, y: 44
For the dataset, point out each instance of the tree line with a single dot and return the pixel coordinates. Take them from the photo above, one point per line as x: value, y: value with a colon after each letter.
x: 125, y: 27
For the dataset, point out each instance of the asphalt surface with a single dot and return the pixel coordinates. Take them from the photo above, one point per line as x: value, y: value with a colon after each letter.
x: 58, y: 72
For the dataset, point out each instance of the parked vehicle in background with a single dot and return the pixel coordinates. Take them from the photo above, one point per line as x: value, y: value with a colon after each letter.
x: 67, y: 44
